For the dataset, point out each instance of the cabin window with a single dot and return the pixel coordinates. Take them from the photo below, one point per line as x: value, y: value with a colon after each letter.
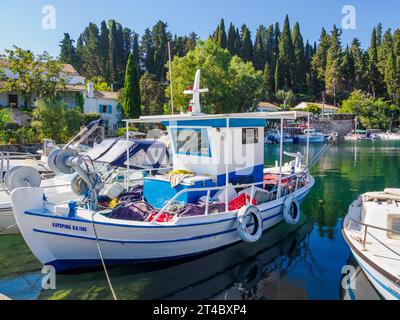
x: 249, y: 136
x: 394, y: 225
x: 193, y: 142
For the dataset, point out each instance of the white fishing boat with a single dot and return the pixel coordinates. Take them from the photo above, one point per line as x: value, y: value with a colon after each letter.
x: 372, y: 231
x: 389, y: 136
x: 214, y: 197
x: 274, y: 136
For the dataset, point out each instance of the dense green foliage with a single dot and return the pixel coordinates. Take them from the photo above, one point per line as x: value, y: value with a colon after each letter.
x: 234, y: 85
x: 372, y: 113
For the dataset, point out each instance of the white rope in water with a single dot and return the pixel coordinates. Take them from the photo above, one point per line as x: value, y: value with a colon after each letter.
x: 101, y: 255
x: 318, y: 156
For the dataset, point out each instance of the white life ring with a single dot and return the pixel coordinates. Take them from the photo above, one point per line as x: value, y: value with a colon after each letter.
x: 291, y: 210
x: 244, y: 233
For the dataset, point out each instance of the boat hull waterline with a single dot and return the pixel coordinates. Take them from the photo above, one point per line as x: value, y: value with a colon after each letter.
x: 70, y: 243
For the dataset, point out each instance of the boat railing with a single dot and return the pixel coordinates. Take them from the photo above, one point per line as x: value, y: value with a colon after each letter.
x: 366, y: 226
x: 226, y: 188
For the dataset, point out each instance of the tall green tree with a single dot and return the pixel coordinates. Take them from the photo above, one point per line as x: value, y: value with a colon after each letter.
x: 247, y: 45
x: 260, y: 48
x: 286, y: 57
x: 68, y: 51
x: 319, y: 60
x: 299, y: 59
x: 147, y: 51
x: 160, y: 39
x: 220, y: 37
x: 231, y: 39
x: 269, y: 83
x: 333, y: 73
x: 392, y: 77
x: 374, y: 77
x: 359, y: 65
x: 131, y: 102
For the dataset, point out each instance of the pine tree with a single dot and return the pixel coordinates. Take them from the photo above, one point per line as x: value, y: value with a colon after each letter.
x: 384, y: 51
x: 89, y: 52
x: 247, y: 45
x: 131, y: 97
x: 68, y: 52
x: 299, y: 59
x: 333, y: 74
x: 286, y: 56
x: 278, y: 77
x: 270, y: 46
x: 260, y: 48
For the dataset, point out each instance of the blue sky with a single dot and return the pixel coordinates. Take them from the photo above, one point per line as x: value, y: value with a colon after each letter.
x: 21, y: 20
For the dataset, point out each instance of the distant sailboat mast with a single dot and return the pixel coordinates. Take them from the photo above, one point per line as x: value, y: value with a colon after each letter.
x: 170, y: 78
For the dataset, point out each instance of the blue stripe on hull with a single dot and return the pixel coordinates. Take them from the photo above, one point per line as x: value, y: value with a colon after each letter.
x: 387, y: 289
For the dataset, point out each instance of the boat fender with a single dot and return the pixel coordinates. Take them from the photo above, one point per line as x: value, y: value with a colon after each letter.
x: 242, y: 221
x: 291, y: 210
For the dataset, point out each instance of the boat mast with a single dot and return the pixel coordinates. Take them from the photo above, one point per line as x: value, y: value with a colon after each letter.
x: 170, y: 78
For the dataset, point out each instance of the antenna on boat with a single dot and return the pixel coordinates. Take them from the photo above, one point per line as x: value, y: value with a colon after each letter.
x: 195, y: 92
x: 170, y: 78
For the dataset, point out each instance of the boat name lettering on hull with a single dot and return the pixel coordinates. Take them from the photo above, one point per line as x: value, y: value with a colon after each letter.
x: 69, y: 227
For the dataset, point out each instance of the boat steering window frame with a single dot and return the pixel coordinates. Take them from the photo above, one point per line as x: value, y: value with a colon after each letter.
x: 194, y: 141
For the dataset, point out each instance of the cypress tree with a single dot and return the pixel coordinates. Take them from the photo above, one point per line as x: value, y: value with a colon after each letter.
x: 299, y: 59
x: 391, y: 76
x: 333, y: 73
x: 238, y: 48
x: 160, y: 41
x: 104, y: 51
x: 220, y: 37
x: 269, y: 83
x: 260, y: 48
x: 147, y: 50
x: 348, y: 70
x: 231, y: 39
x: 286, y: 55
x: 359, y: 65
x: 384, y: 51
x: 247, y: 45
x: 318, y: 62
x: 131, y: 98
x: 68, y: 51
x: 373, y: 72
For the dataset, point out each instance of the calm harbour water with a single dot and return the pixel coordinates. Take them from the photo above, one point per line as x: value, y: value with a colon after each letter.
x: 302, y: 262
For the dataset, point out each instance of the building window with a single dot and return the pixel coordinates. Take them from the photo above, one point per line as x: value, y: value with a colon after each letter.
x: 103, y: 108
x: 13, y: 100
x: 250, y: 136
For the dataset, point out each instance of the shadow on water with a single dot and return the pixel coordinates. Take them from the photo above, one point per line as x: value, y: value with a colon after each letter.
x: 233, y: 272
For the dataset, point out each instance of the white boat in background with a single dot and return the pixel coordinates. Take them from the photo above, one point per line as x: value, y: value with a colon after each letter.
x: 274, y: 136
x: 313, y: 135
x: 211, y: 199
x: 389, y: 136
x: 372, y: 231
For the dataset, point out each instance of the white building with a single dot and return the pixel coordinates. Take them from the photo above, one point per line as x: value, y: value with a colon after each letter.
x: 104, y: 103
x: 325, y: 108
x: 265, y: 106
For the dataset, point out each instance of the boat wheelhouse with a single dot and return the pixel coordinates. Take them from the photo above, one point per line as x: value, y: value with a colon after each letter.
x: 217, y: 194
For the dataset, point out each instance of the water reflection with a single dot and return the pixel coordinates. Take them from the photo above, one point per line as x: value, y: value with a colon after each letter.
x: 243, y: 271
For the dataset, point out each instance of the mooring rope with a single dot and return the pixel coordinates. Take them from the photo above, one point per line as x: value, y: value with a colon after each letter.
x: 8, y: 228
x: 318, y: 156
x: 101, y: 253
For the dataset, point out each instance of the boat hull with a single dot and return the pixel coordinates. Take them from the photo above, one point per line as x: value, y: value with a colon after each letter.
x: 67, y: 243
x: 383, y: 282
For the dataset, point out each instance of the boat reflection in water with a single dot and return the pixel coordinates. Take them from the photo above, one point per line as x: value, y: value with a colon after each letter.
x: 242, y: 271
x: 359, y: 287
